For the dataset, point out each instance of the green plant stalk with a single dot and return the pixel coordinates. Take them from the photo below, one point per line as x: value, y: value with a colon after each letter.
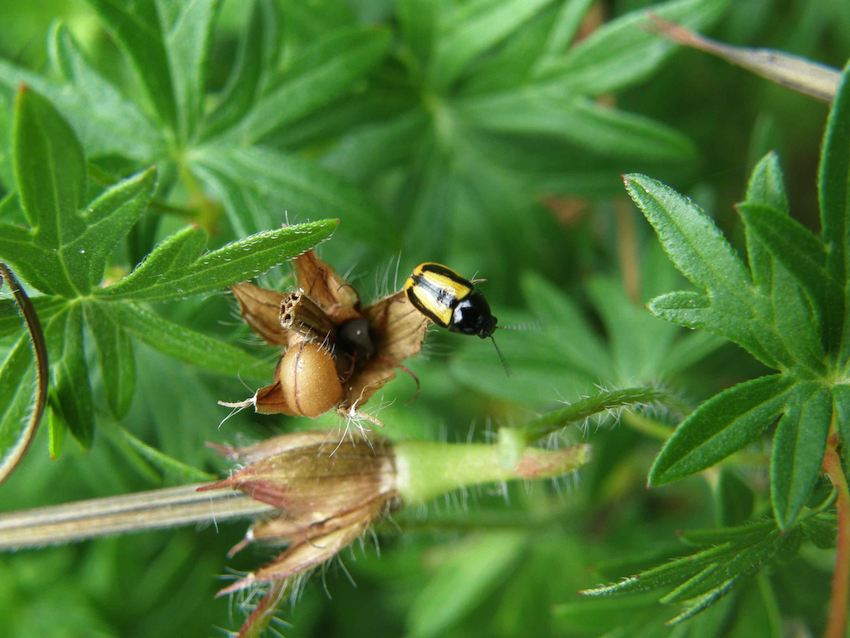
x: 427, y: 469
x: 837, y: 622
x: 155, y: 509
x: 579, y: 410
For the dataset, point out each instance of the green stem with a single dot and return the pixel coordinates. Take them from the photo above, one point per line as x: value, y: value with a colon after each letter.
x: 837, y: 623
x: 580, y: 410
x: 426, y: 469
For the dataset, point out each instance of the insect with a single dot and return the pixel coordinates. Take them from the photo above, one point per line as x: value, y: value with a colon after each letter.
x: 451, y: 301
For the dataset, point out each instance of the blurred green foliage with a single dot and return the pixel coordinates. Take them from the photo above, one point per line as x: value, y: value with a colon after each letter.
x: 474, y: 133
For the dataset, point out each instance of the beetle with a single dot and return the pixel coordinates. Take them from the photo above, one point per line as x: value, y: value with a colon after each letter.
x: 451, y: 301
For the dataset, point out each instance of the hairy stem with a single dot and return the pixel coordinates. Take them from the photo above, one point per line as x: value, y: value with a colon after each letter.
x: 837, y: 622
x: 141, y: 511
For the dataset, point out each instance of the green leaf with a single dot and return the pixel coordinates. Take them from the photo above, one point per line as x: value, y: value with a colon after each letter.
x: 50, y: 170
x: 418, y: 24
x: 185, y: 344
x: 795, y: 247
x: 796, y: 323
x: 563, y: 32
x: 734, y: 498
x: 324, y: 72
x: 798, y: 449
x: 136, y: 26
x: 767, y: 184
x: 17, y: 386
x: 667, y: 574
x: 104, y: 119
x: 71, y: 386
x: 252, y: 61
x: 626, y: 50
x: 692, y: 241
x: 244, y: 179
x: 722, y: 425
x: 743, y: 563
x: 575, y: 341
x: 187, y: 44
x: 166, y: 464
x: 638, y: 341
x: 474, y: 28
x: 553, y: 112
x: 115, y: 355
x: 65, y: 252
x: 695, y: 310
x: 462, y: 582
x: 170, y: 274
x: 834, y: 184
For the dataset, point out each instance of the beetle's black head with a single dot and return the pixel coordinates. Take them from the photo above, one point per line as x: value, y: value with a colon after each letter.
x: 472, y: 316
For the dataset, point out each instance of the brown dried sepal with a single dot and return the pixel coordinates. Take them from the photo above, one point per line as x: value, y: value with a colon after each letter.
x: 338, y: 298
x: 260, y: 308
x: 328, y: 493
x: 322, y: 311
x: 398, y: 330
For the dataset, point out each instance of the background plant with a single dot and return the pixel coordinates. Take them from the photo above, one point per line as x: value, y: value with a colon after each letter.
x: 402, y: 128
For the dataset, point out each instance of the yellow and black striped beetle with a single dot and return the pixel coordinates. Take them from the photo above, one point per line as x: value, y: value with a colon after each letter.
x: 449, y: 300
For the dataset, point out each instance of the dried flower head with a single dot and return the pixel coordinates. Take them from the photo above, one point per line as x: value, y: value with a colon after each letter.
x: 352, y: 351
x: 327, y: 494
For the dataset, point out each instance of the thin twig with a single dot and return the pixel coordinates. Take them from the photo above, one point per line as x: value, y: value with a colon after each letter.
x: 136, y: 512
x: 837, y: 622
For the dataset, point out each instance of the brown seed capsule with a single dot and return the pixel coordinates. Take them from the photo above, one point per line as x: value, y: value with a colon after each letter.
x: 308, y: 379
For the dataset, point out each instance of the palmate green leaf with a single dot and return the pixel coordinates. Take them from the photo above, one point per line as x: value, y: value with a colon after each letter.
x: 104, y: 119
x: 257, y: 48
x: 551, y: 111
x: 560, y: 317
x: 625, y: 50
x: 176, y: 270
x: 732, y: 307
x: 71, y: 389
x: 834, y: 196
x: 720, y: 426
x: 692, y: 241
x: 187, y: 42
x: 728, y: 556
x: 638, y: 342
x: 66, y: 251
x: 743, y: 563
x: 798, y: 449
x: 115, y: 356
x: 325, y: 71
x: 136, y: 26
x: 183, y: 343
x: 472, y: 29
x: 245, y: 179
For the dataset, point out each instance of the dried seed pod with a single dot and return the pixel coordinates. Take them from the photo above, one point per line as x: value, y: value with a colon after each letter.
x: 308, y: 379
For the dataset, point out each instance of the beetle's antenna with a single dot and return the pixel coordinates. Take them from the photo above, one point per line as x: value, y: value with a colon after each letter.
x: 501, y: 358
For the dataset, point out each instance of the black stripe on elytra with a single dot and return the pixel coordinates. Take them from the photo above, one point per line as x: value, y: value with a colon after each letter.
x: 448, y: 273
x: 411, y: 294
